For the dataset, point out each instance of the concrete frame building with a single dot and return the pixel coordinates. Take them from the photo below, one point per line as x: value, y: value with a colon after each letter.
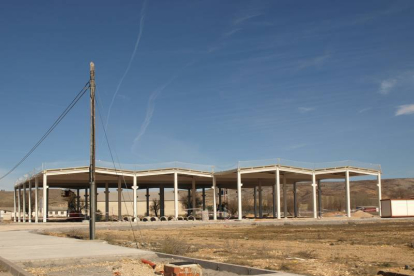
x: 275, y: 173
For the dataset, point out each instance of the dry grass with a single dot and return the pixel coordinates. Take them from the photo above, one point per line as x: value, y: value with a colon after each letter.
x: 358, y: 249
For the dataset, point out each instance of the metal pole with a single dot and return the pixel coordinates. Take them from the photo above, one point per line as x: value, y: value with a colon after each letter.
x: 92, y: 156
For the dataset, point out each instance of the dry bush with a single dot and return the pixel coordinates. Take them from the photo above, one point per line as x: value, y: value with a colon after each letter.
x: 284, y: 266
x: 174, y: 245
x: 307, y: 254
x: 76, y: 234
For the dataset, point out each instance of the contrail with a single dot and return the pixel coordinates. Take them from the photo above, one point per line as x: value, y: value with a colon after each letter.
x: 141, y: 29
x: 150, y: 109
x: 151, y: 103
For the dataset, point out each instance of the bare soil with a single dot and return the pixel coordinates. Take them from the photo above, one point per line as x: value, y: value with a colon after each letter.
x: 351, y: 249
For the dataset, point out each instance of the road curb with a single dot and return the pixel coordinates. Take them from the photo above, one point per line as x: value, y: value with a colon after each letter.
x: 238, y: 269
x: 13, y: 268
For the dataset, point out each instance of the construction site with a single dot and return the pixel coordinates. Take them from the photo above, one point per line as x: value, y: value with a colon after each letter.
x: 212, y: 82
x: 254, y: 176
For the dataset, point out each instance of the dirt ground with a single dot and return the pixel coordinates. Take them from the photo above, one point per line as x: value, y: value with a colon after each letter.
x: 351, y: 249
x: 121, y: 267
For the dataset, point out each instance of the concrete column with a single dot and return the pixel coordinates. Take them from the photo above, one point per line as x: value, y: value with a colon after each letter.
x: 36, y: 200
x: 204, y: 199
x: 193, y: 187
x: 45, y: 203
x: 379, y: 194
x: 119, y: 199
x: 77, y: 201
x: 47, y: 200
x: 277, y: 188
x: 260, y: 199
x: 189, y: 202
x: 86, y: 203
x: 162, y: 208
x: 254, y: 201
x: 348, y: 195
x: 239, y: 195
x: 315, y: 211
x: 295, y: 201
x: 148, y: 203
x: 19, y: 205
x: 134, y: 188
x: 214, y: 199
x: 24, y: 202
x: 220, y: 201
x: 30, y: 201
x: 106, y: 201
x: 274, y: 200
x: 284, y: 197
x: 175, y: 195
x: 14, y: 205
x: 319, y: 199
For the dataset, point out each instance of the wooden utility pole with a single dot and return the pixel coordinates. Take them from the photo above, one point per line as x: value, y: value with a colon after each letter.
x: 92, y: 183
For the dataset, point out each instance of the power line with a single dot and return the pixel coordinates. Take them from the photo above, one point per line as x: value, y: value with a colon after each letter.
x: 116, y: 171
x: 54, y: 125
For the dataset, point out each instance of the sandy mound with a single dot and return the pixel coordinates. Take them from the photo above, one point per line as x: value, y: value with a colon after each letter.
x: 362, y: 214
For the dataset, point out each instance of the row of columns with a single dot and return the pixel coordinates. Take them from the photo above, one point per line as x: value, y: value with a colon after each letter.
x: 276, y: 198
x: 316, y: 196
x: 147, y: 195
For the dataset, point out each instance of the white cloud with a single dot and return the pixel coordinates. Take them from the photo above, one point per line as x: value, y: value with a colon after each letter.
x: 402, y: 81
x: 305, y: 109
x: 364, y: 109
x: 405, y: 110
x: 387, y: 85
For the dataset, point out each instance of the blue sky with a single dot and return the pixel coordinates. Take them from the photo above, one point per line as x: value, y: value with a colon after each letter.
x: 210, y: 82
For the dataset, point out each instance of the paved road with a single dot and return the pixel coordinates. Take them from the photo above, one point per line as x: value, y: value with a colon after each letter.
x: 23, y: 245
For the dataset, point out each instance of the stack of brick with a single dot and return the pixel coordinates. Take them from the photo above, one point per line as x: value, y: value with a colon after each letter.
x: 182, y: 269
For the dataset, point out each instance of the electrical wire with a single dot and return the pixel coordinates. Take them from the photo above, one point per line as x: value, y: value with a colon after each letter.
x: 116, y: 170
x: 54, y: 125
